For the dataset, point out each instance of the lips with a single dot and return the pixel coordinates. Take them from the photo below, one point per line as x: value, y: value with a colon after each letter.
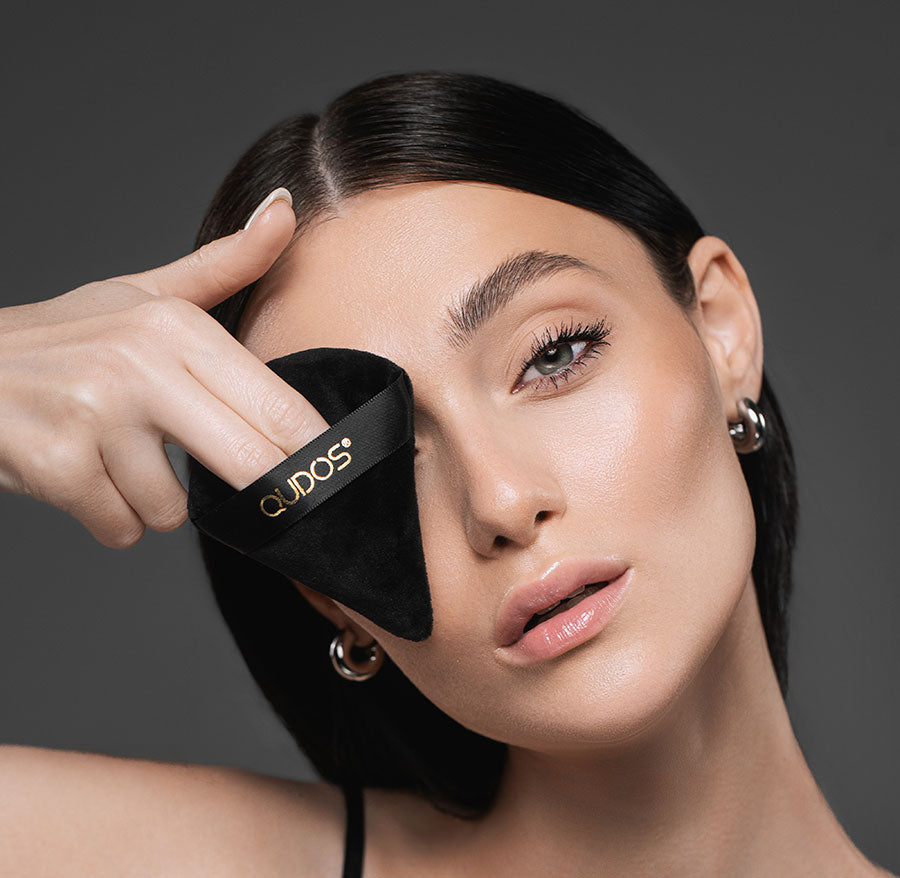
x: 555, y: 585
x: 561, y: 606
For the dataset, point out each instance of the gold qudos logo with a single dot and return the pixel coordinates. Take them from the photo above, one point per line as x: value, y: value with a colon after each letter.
x: 280, y: 502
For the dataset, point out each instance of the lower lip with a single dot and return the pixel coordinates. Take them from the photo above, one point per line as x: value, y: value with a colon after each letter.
x: 567, y: 630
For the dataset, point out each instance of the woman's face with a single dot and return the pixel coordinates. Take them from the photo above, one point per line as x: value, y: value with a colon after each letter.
x: 626, y: 456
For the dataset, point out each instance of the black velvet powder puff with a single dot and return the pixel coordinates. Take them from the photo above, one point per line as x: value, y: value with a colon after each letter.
x: 340, y: 515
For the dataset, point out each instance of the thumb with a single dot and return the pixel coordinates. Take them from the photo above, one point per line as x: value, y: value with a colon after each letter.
x: 220, y: 268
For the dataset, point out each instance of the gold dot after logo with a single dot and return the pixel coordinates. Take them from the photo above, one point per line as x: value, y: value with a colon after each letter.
x: 320, y: 470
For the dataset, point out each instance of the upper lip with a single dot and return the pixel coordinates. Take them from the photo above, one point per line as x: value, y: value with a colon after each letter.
x: 558, y: 581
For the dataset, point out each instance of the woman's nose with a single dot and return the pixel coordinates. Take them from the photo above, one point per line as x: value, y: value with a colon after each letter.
x: 507, y: 486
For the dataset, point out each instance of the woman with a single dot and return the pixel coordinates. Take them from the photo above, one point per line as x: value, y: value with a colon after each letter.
x: 591, y: 408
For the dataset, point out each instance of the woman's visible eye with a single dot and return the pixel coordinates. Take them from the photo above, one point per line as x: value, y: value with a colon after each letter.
x: 553, y: 351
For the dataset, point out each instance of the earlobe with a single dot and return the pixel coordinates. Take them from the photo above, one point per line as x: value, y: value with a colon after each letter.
x: 727, y: 319
x: 323, y: 604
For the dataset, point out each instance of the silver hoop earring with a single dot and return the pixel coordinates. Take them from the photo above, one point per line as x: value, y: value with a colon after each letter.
x: 340, y: 652
x: 750, y: 432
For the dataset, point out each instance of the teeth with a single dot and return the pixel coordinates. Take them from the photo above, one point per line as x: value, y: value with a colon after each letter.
x: 573, y: 594
x: 568, y: 601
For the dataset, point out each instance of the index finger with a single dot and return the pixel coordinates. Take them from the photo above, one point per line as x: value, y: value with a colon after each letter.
x: 242, y: 381
x: 279, y: 420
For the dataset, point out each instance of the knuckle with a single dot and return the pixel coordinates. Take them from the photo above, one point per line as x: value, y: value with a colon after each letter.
x: 247, y: 455
x: 163, y: 315
x: 118, y: 528
x: 286, y: 419
x: 87, y: 401
x: 123, y: 537
x: 48, y: 470
x: 169, y: 517
x: 93, y: 392
x: 64, y: 474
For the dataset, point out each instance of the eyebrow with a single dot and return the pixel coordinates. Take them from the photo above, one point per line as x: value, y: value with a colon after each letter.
x: 489, y: 296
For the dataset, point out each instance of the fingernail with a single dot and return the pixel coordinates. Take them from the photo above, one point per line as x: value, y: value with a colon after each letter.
x: 275, y: 195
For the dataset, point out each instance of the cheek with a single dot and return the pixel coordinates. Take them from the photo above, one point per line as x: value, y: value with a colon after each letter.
x: 648, y: 467
x: 680, y: 506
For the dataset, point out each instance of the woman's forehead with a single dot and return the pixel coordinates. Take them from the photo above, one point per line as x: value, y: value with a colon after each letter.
x: 385, y: 269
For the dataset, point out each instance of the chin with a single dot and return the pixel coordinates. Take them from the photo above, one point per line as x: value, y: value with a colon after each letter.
x: 601, y: 695
x: 619, y: 686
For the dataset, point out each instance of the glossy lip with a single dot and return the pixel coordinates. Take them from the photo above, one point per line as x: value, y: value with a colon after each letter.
x: 557, y: 582
x: 570, y: 628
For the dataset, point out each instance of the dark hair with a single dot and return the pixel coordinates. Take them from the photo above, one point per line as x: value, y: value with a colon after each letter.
x: 417, y: 127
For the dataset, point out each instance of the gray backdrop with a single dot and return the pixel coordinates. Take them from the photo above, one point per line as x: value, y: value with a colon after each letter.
x: 777, y: 123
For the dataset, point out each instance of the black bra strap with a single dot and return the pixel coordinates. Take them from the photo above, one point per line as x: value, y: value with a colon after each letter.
x: 355, y: 839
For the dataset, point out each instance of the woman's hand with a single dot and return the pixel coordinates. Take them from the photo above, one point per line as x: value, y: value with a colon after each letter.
x: 95, y: 381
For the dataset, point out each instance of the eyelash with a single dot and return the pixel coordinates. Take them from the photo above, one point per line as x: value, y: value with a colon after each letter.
x: 595, y: 333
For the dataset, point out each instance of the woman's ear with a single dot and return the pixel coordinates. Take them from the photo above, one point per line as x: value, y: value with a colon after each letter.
x: 726, y: 318
x: 331, y: 611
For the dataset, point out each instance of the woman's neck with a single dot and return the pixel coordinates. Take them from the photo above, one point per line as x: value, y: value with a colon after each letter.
x: 716, y: 785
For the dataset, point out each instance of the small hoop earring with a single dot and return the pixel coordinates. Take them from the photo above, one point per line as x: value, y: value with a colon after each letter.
x: 749, y: 432
x: 339, y: 651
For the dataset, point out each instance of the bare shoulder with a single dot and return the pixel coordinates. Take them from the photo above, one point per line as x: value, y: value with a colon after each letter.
x: 105, y: 815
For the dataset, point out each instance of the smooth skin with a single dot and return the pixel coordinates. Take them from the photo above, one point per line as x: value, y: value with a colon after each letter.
x: 660, y: 747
